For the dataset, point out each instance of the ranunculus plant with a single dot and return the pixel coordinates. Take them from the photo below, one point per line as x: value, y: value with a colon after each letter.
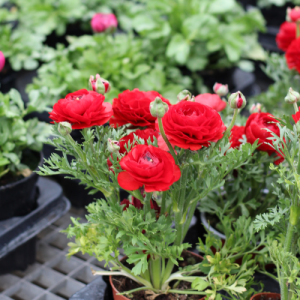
x: 167, y: 157
x: 282, y: 221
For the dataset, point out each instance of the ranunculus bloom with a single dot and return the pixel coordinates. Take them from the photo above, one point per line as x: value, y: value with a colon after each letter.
x: 148, y: 166
x: 133, y: 107
x: 236, y: 135
x: 82, y: 109
x: 296, y: 117
x: 2, y: 61
x: 293, y: 55
x: 212, y: 100
x: 191, y: 125
x: 144, y: 134
x: 285, y: 36
x: 254, y: 130
x: 102, y: 22
x: 293, y: 14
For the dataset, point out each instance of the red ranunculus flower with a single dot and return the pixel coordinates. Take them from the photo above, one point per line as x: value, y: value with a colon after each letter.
x: 148, y: 166
x: 102, y: 22
x: 133, y: 107
x: 82, y: 109
x: 191, y: 125
x: 236, y: 135
x: 144, y: 134
x: 212, y: 100
x: 138, y: 204
x: 293, y: 55
x: 285, y: 36
x: 296, y: 117
x: 254, y: 130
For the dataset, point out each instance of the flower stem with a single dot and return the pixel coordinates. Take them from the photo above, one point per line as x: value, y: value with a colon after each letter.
x: 295, y: 107
x: 162, y: 131
x: 297, y: 30
x: 167, y: 273
x: 155, y: 271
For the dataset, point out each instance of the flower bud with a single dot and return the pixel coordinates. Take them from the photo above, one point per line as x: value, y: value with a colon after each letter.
x: 292, y: 96
x: 237, y: 100
x: 255, y: 108
x: 104, y: 22
x: 220, y: 89
x: 64, y: 128
x: 158, y: 108
x: 99, y: 84
x: 184, y: 95
x: 2, y: 61
x: 113, y: 146
x: 293, y: 14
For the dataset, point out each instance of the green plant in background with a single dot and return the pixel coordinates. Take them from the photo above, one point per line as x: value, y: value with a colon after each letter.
x: 246, y: 192
x: 268, y: 3
x: 122, y: 59
x: 284, y: 78
x: 17, y: 135
x: 198, y: 34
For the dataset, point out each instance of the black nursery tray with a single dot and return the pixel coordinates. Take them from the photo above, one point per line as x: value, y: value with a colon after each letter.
x: 17, y: 235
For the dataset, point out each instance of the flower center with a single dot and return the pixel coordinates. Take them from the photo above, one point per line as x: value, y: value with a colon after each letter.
x: 148, y: 158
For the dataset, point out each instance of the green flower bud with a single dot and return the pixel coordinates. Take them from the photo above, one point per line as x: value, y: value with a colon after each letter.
x: 113, y: 146
x: 158, y: 108
x: 64, y: 128
x: 99, y: 84
x: 292, y: 96
x: 184, y: 95
x: 237, y: 100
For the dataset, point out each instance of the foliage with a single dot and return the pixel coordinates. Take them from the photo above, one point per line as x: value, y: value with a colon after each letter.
x: 197, y: 34
x: 230, y: 264
x: 17, y: 135
x: 123, y: 60
x: 284, y: 78
x: 268, y: 3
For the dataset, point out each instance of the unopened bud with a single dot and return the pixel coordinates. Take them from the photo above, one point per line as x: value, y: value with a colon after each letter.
x: 99, y: 84
x: 237, y: 100
x: 292, y: 96
x: 158, y: 108
x: 64, y: 128
x: 113, y: 146
x: 293, y: 14
x: 255, y: 108
x: 184, y: 95
x: 220, y: 89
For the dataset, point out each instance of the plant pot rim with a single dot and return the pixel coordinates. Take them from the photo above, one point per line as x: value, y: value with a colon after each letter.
x: 13, y: 184
x: 119, y: 297
x: 275, y: 295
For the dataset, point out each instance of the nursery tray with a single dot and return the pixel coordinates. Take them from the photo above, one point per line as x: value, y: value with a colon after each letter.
x: 18, y: 233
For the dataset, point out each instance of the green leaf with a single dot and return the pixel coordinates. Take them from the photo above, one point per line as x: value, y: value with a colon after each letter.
x: 200, y: 284
x: 221, y: 6
x: 178, y: 48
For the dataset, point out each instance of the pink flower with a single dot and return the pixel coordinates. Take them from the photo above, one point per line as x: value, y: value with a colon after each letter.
x: 211, y: 100
x: 102, y: 22
x: 293, y: 14
x: 220, y: 89
x: 2, y: 61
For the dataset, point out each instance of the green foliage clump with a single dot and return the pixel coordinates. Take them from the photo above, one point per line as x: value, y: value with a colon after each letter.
x: 17, y: 135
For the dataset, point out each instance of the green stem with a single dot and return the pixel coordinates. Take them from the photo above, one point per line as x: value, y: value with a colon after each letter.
x: 297, y: 30
x: 168, y: 272
x: 146, y: 275
x: 287, y: 248
x: 295, y: 107
x: 155, y: 265
x: 163, y: 203
x: 162, y: 131
x: 186, y: 292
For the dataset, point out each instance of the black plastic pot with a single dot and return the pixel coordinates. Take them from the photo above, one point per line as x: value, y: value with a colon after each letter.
x: 237, y: 80
x: 19, y: 198
x: 268, y: 39
x: 17, y: 234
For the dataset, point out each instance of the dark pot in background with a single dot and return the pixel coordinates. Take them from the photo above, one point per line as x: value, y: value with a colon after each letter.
x: 17, y: 234
x: 20, y: 197
x: 266, y: 296
x: 237, y: 80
